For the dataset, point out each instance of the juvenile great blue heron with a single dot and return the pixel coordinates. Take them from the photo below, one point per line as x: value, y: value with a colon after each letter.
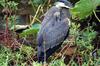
x: 54, y: 29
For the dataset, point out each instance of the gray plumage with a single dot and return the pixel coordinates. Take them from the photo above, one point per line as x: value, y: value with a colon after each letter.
x: 54, y: 29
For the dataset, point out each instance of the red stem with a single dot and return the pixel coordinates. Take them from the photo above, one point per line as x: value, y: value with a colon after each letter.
x: 6, y: 24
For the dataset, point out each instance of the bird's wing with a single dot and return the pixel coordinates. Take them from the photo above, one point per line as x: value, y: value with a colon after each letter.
x: 56, y: 30
x: 49, y: 17
x: 55, y: 35
x: 46, y: 20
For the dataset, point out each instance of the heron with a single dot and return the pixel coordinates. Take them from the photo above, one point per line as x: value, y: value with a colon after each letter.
x: 54, y: 29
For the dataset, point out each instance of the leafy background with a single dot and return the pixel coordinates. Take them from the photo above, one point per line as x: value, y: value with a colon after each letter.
x: 84, y: 54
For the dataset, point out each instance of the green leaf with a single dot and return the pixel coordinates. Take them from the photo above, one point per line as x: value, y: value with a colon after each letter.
x: 59, y: 62
x: 32, y: 31
x: 84, y: 8
x: 36, y: 26
x: 36, y: 64
x: 27, y: 50
x: 2, y: 3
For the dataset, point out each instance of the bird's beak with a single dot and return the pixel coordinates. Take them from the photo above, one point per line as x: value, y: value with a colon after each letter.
x: 66, y: 6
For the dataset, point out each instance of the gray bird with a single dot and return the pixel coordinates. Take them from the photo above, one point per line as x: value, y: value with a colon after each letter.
x: 54, y: 29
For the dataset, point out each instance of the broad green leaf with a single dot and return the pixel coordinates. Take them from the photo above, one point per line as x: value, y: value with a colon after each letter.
x: 32, y: 31
x: 84, y: 8
x: 36, y: 26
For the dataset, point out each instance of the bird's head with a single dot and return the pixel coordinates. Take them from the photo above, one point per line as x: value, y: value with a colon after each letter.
x: 63, y: 3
